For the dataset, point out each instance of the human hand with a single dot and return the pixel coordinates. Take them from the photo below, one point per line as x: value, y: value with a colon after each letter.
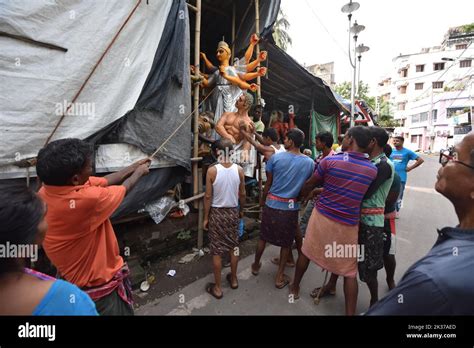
x: 143, y: 169
x: 241, y: 214
x: 203, y: 55
x: 205, y: 224
x: 140, y: 162
x: 263, y: 55
x: 254, y: 87
x: 254, y: 39
x: 262, y: 71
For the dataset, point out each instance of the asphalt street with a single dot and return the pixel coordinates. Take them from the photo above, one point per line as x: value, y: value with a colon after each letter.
x: 424, y: 211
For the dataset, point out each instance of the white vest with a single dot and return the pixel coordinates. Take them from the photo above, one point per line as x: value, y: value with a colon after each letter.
x: 281, y: 149
x: 226, y: 187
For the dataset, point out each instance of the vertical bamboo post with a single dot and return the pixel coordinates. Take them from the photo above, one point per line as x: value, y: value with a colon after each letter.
x: 234, y: 10
x: 197, y: 49
x: 201, y: 214
x: 257, y: 29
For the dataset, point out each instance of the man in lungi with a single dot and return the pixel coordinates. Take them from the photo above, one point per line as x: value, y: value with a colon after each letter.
x: 334, y: 223
x: 390, y: 240
x: 225, y: 187
x: 80, y: 241
x: 286, y: 175
x: 371, y: 229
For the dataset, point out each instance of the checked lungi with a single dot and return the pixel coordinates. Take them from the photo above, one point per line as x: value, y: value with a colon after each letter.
x: 223, y: 230
x: 278, y: 227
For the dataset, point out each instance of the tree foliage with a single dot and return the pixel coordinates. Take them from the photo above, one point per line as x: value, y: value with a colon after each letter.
x: 384, y: 109
x: 280, y: 31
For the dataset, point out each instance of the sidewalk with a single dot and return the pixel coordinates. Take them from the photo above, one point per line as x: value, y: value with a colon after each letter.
x: 256, y: 295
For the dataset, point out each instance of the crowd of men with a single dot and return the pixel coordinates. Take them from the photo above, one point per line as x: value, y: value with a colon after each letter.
x: 347, y: 198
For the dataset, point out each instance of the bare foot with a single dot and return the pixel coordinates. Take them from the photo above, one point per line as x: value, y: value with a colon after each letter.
x: 391, y: 284
x: 255, y: 268
x: 295, y: 291
x: 276, y: 261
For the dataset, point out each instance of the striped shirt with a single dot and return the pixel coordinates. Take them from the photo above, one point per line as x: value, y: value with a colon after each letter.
x: 346, y: 177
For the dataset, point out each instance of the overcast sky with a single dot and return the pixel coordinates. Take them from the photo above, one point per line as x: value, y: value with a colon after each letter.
x: 319, y: 31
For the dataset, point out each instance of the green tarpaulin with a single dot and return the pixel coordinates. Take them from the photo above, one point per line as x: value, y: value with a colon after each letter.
x: 321, y: 123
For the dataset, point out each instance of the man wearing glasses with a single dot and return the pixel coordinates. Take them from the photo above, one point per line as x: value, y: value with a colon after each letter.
x: 442, y: 282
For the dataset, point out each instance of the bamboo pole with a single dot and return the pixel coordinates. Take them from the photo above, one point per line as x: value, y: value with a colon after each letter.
x: 196, y: 176
x: 257, y: 29
x: 234, y: 9
x: 201, y: 214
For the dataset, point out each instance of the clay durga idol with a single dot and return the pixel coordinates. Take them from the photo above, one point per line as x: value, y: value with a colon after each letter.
x: 231, y: 80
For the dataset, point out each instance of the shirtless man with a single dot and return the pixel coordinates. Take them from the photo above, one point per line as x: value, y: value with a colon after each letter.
x: 230, y: 124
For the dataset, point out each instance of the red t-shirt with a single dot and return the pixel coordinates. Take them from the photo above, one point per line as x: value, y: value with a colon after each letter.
x: 80, y: 240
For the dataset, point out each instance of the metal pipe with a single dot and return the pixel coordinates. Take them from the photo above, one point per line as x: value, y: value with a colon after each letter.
x: 351, y: 124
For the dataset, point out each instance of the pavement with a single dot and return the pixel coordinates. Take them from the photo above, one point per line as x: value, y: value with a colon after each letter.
x: 424, y: 210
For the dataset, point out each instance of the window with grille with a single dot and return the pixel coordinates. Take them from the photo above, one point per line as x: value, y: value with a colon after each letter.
x: 420, y: 68
x: 465, y: 63
x: 438, y: 66
x: 437, y: 84
x: 419, y: 85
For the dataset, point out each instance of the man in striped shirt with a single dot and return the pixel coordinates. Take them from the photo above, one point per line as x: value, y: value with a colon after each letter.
x: 332, y: 233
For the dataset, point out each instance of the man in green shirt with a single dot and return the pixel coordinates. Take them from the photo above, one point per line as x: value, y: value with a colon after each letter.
x: 371, y: 229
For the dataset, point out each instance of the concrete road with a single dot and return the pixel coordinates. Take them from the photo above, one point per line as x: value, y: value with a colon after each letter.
x: 424, y: 210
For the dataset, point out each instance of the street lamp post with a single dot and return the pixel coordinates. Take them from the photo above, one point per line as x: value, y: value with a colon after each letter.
x: 353, y: 29
x: 360, y: 49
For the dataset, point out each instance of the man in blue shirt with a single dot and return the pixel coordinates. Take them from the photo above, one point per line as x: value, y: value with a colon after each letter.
x: 286, y: 174
x: 442, y: 282
x: 400, y: 158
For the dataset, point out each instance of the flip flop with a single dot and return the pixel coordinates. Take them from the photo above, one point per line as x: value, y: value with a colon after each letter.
x: 324, y: 293
x: 286, y: 281
x: 229, y: 279
x: 255, y: 273
x: 276, y: 261
x: 210, y: 290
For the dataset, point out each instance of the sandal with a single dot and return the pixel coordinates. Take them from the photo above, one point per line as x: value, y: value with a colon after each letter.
x: 324, y: 292
x: 229, y: 279
x: 210, y: 287
x: 286, y: 281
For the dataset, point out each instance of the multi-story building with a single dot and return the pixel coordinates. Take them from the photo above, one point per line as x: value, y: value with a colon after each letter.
x: 431, y: 92
x: 325, y: 72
